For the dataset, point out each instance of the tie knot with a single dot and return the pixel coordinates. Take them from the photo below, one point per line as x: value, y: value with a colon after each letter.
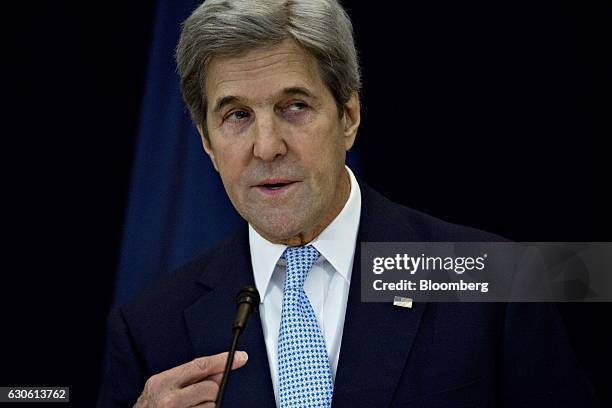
x: 299, y: 261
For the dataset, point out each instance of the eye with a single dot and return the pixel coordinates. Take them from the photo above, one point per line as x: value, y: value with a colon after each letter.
x: 237, y: 116
x: 296, y: 106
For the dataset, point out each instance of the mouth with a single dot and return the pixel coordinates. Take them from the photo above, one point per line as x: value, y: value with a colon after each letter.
x: 275, y: 186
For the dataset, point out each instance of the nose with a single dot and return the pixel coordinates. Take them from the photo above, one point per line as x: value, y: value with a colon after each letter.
x: 269, y: 142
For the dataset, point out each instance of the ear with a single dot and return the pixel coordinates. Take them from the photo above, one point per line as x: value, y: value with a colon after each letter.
x: 351, y: 119
x: 206, y: 144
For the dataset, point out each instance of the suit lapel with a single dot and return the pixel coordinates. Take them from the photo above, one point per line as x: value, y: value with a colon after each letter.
x: 377, y: 337
x: 209, y: 321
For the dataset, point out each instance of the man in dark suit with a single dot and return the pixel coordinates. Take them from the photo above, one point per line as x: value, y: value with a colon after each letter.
x: 273, y: 87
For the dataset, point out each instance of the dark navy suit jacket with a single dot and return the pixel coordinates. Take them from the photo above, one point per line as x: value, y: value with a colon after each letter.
x: 451, y: 355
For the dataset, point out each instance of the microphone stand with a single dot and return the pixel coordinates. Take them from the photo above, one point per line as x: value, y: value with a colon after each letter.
x: 247, y: 300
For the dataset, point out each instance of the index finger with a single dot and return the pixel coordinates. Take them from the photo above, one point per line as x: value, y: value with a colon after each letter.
x: 202, y: 367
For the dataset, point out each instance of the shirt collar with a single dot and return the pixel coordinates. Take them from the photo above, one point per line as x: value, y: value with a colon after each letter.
x: 336, y: 243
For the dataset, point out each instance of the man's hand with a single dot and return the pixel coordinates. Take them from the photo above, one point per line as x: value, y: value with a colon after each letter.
x: 193, y: 384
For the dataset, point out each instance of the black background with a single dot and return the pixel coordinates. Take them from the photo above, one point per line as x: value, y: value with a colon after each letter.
x: 481, y: 113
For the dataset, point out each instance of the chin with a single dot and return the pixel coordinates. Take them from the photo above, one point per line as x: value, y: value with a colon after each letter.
x: 277, y: 229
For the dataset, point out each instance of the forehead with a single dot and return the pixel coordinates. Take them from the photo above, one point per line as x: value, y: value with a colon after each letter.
x: 262, y: 72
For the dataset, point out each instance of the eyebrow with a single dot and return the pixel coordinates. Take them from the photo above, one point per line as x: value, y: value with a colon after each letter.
x: 293, y: 90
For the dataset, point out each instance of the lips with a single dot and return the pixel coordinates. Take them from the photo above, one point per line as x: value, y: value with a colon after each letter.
x: 275, y: 186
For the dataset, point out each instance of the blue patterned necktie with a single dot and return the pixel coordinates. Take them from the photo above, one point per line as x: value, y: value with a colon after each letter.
x: 304, y: 375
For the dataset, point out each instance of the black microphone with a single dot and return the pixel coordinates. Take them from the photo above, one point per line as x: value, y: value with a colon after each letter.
x: 247, y: 301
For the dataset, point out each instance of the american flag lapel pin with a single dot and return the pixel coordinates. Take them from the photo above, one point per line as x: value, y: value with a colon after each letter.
x: 402, y: 302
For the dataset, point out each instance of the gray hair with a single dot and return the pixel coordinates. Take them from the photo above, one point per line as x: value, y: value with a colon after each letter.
x: 233, y: 27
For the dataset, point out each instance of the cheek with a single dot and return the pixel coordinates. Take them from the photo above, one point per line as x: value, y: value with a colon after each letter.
x: 231, y: 169
x: 325, y: 163
x: 327, y: 152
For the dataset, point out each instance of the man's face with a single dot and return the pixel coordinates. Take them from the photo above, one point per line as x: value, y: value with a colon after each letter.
x: 278, y: 141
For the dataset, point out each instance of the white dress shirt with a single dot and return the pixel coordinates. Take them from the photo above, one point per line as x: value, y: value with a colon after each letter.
x: 327, y: 284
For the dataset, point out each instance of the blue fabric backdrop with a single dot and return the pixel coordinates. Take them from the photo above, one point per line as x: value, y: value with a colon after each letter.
x: 177, y: 207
